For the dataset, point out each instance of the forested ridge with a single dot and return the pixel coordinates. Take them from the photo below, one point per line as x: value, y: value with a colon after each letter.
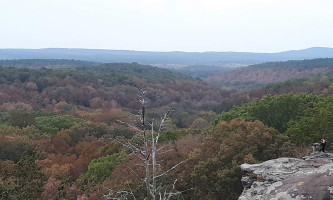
x: 63, y: 130
x: 37, y: 63
x: 110, y: 86
x: 175, y: 57
x: 298, y: 64
x: 259, y: 75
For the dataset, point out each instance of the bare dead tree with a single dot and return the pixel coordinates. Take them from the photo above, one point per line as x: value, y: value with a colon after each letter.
x: 148, y: 153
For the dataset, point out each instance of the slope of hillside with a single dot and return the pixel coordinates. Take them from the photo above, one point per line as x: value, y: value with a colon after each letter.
x: 204, y: 71
x: 135, y: 70
x: 109, y: 86
x: 125, y: 70
x: 256, y: 76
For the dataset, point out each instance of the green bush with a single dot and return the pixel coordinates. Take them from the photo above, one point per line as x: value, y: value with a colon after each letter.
x: 53, y: 124
x: 100, y: 169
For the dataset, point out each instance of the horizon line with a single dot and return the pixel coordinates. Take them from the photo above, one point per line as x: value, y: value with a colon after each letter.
x: 175, y: 51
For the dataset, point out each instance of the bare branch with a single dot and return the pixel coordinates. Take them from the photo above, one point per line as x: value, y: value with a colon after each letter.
x: 133, y: 171
x: 117, y: 195
x: 141, y: 165
x: 166, y: 151
x: 170, y: 194
x: 162, y: 124
x: 160, y: 148
x: 172, y: 168
x: 132, y: 193
x: 131, y: 126
x: 134, y: 149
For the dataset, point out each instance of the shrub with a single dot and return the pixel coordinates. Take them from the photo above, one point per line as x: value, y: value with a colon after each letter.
x: 99, y: 169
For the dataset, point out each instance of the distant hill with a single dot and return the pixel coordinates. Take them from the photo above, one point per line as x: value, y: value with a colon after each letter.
x: 256, y: 76
x: 132, y: 70
x: 203, y: 71
x: 315, y: 85
x: 109, y: 73
x: 181, y: 58
x: 48, y: 63
x: 129, y: 70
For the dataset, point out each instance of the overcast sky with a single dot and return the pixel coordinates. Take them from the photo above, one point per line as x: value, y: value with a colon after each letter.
x: 167, y: 25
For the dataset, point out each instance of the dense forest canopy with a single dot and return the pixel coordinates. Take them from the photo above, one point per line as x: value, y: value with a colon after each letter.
x: 304, y: 118
x: 257, y: 76
x: 204, y: 71
x: 110, y: 86
x: 298, y: 64
x: 63, y: 129
x: 136, y: 70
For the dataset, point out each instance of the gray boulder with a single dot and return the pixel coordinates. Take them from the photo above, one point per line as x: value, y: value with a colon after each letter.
x: 290, y: 178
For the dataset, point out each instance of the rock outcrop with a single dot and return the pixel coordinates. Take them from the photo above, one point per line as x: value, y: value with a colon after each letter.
x: 290, y: 178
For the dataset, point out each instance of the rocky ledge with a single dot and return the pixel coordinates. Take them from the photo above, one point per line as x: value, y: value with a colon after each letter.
x: 290, y: 178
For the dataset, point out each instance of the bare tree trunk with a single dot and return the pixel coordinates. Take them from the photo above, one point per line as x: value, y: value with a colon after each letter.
x: 153, y: 157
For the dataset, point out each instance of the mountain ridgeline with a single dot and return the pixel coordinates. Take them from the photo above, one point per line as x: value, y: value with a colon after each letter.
x: 145, y: 57
x: 88, y: 70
